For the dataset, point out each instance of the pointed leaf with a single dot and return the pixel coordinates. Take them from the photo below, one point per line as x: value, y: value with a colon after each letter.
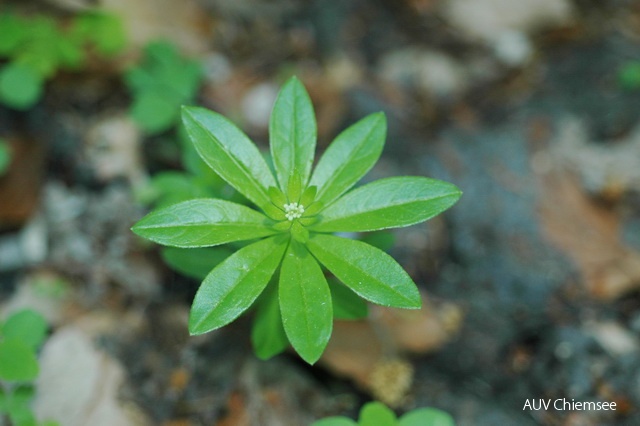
x: 349, y: 157
x: 426, y: 417
x: 234, y: 285
x: 267, y: 335
x: 305, y: 302
x: 292, y: 131
x: 229, y: 152
x: 202, y: 222
x: 388, y: 203
x: 368, y: 271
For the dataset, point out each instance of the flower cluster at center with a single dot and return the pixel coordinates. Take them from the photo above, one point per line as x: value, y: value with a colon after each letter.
x: 293, y: 211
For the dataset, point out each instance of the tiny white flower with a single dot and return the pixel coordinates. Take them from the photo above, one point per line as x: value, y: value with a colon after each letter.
x: 293, y: 211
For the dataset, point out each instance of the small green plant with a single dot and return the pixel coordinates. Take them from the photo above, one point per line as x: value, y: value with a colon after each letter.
x: 37, y: 47
x: 629, y: 75
x: 299, y: 210
x: 160, y: 85
x: 20, y: 337
x: 377, y: 414
x: 5, y: 156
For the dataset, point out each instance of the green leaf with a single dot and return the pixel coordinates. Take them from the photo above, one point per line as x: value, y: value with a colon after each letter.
x: 426, y: 417
x: 335, y: 421
x: 267, y: 335
x: 629, y: 76
x: 292, y: 133
x: 230, y: 153
x: 154, y: 112
x: 22, y: 416
x: 388, y: 203
x: 194, y: 262
x: 18, y: 406
x: 167, y: 188
x: 377, y: 414
x: 203, y: 222
x: 384, y: 240
x: 234, y: 285
x: 305, y: 302
x: 14, y: 31
x: 368, y: 271
x: 104, y: 30
x: 346, y: 304
x: 22, y: 395
x: 20, y: 86
x: 349, y: 157
x: 28, y: 326
x: 17, y: 361
x: 5, y: 156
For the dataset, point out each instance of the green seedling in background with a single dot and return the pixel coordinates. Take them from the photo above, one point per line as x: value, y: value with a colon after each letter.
x: 5, y: 156
x: 160, y: 84
x: 297, y: 211
x: 20, y: 337
x: 629, y: 76
x: 377, y: 414
x: 38, y: 47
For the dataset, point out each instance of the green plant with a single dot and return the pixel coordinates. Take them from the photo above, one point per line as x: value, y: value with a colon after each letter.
x: 377, y: 414
x: 629, y: 75
x: 37, y: 47
x: 20, y: 337
x: 5, y: 156
x: 299, y: 211
x: 160, y: 84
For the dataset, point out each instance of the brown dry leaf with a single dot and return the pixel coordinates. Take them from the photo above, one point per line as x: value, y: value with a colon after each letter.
x: 20, y: 185
x: 364, y: 351
x: 183, y: 22
x: 589, y: 235
x: 236, y: 411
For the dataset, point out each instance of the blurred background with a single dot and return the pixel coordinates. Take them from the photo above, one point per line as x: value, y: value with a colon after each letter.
x: 530, y: 282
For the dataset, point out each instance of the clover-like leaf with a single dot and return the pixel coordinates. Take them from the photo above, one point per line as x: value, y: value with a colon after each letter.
x: 26, y: 325
x: 20, y: 86
x: 335, y: 421
x: 368, y: 271
x: 292, y: 132
x: 201, y: 223
x: 426, y: 417
x: 230, y: 153
x: 234, y: 285
x: 388, y: 203
x: 305, y: 302
x: 17, y: 361
x: 376, y: 414
x: 349, y: 157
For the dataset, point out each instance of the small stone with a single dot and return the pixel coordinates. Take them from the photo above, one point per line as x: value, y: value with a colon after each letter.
x: 78, y: 384
x: 513, y: 48
x: 486, y: 20
x: 258, y: 103
x: 427, y: 70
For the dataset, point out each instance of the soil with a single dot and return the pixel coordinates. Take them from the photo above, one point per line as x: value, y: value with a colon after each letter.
x: 531, y: 281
